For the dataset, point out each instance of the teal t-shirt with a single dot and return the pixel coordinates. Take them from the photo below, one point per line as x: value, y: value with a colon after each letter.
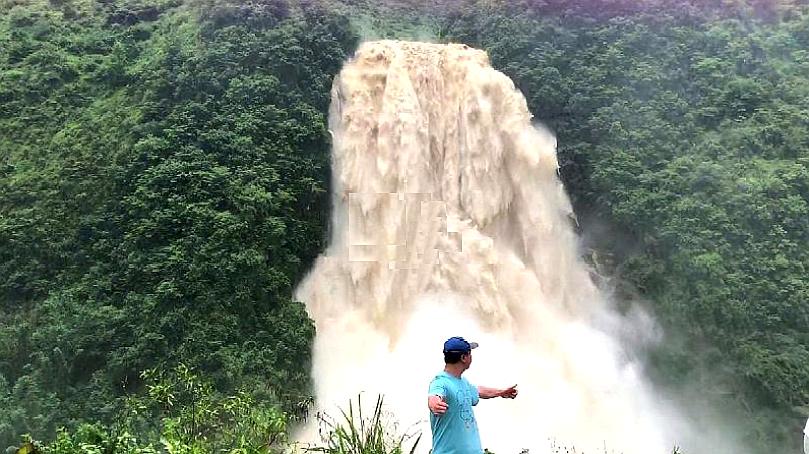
x: 456, y: 431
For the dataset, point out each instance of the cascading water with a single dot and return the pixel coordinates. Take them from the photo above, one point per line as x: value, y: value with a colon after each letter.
x: 449, y: 219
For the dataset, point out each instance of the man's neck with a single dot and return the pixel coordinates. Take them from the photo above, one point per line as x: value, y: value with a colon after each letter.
x: 454, y: 369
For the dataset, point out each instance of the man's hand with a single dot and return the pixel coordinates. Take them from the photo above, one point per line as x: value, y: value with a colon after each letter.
x: 488, y: 393
x: 437, y: 405
x: 509, y: 393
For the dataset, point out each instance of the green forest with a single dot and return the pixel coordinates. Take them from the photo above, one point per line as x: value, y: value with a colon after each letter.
x: 164, y: 185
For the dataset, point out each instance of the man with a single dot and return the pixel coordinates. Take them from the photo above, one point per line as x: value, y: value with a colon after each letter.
x: 451, y: 399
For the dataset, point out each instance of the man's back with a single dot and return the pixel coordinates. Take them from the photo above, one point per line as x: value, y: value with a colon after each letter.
x: 456, y: 431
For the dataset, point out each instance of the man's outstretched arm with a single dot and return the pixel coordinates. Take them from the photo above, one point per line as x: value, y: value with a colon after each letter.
x: 489, y: 393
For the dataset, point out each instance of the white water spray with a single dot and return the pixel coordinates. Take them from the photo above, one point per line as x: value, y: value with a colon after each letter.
x: 449, y: 219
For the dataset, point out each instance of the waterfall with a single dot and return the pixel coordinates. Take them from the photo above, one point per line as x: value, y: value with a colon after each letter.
x: 449, y: 218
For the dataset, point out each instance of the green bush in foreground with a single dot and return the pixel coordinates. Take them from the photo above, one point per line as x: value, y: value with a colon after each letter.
x: 358, y: 434
x: 180, y: 413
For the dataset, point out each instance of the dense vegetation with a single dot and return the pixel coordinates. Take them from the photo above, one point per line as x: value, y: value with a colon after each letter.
x: 164, y: 180
x: 164, y: 186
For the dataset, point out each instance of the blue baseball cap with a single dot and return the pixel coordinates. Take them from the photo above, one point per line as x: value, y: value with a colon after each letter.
x: 459, y: 344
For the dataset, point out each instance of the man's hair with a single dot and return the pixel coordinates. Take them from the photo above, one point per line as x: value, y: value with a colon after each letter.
x: 453, y: 357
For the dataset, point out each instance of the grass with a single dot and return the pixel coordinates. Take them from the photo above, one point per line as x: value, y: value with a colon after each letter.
x: 358, y: 433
